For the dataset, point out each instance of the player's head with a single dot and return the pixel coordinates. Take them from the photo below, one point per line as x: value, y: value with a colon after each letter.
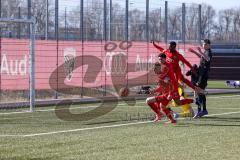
x: 172, y: 46
x: 157, y: 68
x: 206, y: 44
x: 195, y: 67
x: 162, y: 58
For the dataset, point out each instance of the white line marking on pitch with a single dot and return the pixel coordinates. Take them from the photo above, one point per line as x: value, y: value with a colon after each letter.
x: 100, y: 127
x: 87, y: 107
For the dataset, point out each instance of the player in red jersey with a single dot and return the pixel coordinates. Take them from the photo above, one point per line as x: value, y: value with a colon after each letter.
x: 173, y: 58
x: 163, y: 95
x: 168, y: 73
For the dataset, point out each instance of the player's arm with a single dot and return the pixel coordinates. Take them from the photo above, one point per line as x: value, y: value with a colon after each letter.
x: 181, y: 58
x: 195, y: 52
x: 158, y: 47
x: 189, y: 73
x: 205, y: 56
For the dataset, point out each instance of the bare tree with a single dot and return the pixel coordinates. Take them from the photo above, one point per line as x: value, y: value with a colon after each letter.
x: 137, y: 25
x: 156, y: 28
x: 208, y: 16
x: 118, y: 17
x: 175, y: 23
x: 39, y: 12
x: 10, y: 9
x: 191, y: 22
x: 226, y: 21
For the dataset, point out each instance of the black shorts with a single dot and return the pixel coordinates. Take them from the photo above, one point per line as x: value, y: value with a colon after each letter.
x: 203, y: 83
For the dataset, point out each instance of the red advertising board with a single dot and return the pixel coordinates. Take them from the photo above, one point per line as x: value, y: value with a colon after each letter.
x: 106, y: 61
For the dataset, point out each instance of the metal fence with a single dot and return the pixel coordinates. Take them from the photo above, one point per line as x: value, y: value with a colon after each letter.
x: 109, y: 37
x: 116, y: 20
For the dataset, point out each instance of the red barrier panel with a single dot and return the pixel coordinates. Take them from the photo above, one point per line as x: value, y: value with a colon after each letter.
x: 68, y: 54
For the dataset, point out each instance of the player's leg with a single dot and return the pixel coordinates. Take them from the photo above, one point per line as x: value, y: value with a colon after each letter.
x: 202, y: 101
x: 204, y: 106
x: 187, y: 109
x: 189, y: 83
x: 167, y: 111
x: 169, y: 114
x: 180, y: 102
x: 153, y: 104
x: 186, y: 81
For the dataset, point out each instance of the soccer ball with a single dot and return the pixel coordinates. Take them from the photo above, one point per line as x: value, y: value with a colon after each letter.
x: 124, y: 92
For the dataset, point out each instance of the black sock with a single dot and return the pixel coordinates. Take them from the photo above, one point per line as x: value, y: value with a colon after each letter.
x: 199, y: 108
x: 204, y: 103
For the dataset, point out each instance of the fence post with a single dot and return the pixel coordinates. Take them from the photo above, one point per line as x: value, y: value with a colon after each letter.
x: 183, y: 23
x: 126, y: 21
x: 0, y: 52
x: 110, y: 21
x: 57, y: 39
x: 166, y: 22
x: 199, y: 23
x: 82, y: 37
x: 32, y: 67
x: 0, y: 8
x: 147, y: 35
x: 65, y: 25
x: 105, y: 20
x: 46, y: 21
x: 29, y: 5
x: 19, y: 24
x: 105, y: 39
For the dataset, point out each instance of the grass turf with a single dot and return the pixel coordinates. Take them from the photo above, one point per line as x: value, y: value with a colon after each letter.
x: 214, y: 137
x: 218, y: 84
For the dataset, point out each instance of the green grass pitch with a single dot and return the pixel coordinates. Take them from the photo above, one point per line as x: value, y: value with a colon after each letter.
x: 43, y: 136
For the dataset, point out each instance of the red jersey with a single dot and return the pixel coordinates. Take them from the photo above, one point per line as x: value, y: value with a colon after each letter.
x: 168, y: 73
x: 164, y: 88
x: 174, y: 58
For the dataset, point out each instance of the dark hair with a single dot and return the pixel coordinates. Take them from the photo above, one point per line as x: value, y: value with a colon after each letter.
x: 173, y: 43
x: 195, y: 66
x: 162, y: 55
x: 207, y: 41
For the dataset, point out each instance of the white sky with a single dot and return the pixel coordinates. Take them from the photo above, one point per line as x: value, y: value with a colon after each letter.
x: 216, y: 4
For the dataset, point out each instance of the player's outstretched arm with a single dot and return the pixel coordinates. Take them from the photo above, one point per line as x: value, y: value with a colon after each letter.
x: 195, y: 52
x: 199, y: 53
x: 158, y: 47
x: 181, y: 58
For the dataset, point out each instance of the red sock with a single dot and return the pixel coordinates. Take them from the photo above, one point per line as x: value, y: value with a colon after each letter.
x: 168, y: 114
x: 186, y: 101
x: 155, y: 108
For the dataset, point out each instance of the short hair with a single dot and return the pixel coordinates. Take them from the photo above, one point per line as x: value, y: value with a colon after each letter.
x: 162, y: 55
x: 207, y: 41
x: 195, y: 66
x: 173, y: 43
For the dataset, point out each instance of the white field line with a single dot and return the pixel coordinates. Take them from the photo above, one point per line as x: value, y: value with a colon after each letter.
x: 101, y: 127
x: 87, y: 107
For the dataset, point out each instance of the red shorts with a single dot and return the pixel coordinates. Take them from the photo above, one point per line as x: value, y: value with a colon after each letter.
x: 175, y: 95
x: 162, y: 99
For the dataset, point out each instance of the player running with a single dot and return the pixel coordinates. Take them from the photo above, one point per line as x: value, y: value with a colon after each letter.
x: 173, y: 58
x: 168, y: 74
x: 163, y: 95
